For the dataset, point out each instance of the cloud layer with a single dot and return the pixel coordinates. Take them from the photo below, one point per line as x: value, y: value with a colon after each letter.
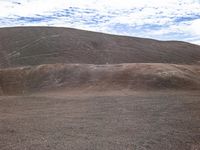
x: 159, y: 19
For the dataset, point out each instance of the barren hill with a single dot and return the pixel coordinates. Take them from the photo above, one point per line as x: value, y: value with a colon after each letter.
x: 45, y: 58
x: 22, y: 46
x: 71, y: 89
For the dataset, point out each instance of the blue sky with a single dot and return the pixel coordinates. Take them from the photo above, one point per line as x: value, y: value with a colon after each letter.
x: 158, y: 19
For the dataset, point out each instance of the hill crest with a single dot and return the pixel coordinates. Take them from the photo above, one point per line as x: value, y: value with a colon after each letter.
x: 22, y: 46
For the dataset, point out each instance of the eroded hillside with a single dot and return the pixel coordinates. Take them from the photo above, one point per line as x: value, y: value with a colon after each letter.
x: 141, y: 76
x: 34, y: 59
x: 22, y: 46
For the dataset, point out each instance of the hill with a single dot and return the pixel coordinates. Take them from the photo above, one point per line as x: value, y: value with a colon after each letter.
x: 22, y: 46
x: 71, y: 89
x: 36, y: 59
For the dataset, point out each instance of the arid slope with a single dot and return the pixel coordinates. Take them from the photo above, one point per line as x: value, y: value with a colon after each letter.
x: 36, y: 59
x: 99, y: 77
x: 22, y: 46
x: 82, y: 90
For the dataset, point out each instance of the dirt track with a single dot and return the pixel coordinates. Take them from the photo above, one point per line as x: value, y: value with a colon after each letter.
x: 136, y: 121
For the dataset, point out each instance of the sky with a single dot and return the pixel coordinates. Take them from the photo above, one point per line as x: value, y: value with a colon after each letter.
x: 157, y: 19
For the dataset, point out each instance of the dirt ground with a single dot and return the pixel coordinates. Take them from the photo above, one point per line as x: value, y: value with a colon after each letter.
x: 134, y: 121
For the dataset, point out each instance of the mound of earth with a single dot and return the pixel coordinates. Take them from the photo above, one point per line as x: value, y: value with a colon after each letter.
x: 99, y: 77
x: 22, y: 46
x: 34, y: 59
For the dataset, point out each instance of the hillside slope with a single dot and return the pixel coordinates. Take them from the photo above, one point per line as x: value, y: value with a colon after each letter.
x: 21, y: 46
x: 99, y: 77
x: 34, y: 59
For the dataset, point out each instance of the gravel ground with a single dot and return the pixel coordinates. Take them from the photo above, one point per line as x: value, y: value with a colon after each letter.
x: 138, y: 121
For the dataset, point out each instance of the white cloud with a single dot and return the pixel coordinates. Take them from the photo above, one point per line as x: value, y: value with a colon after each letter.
x: 162, y: 19
x: 195, y: 27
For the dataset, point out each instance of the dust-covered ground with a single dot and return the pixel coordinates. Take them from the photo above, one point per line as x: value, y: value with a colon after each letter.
x: 92, y: 114
x: 130, y: 121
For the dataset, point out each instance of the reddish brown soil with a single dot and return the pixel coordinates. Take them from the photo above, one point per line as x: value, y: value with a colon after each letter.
x: 94, y: 121
x: 82, y: 90
x: 97, y: 77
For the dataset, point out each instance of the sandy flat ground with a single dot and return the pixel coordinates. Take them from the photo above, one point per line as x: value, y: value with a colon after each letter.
x: 135, y: 121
